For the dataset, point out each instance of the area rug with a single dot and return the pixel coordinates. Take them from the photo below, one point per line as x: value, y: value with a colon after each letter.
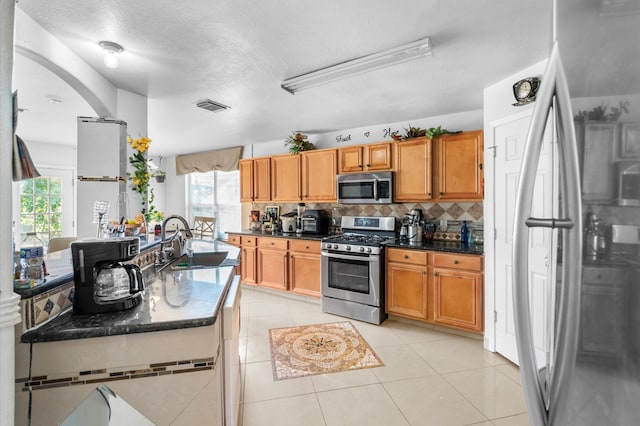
x: 318, y: 349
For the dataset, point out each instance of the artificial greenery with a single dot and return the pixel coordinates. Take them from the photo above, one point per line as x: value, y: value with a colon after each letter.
x: 416, y: 132
x: 600, y: 113
x: 141, y: 175
x: 298, y: 142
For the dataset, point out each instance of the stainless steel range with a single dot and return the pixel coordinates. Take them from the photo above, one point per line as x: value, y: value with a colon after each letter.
x: 352, y: 268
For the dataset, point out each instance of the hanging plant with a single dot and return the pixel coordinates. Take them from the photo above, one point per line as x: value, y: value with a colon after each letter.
x: 298, y: 142
x: 141, y: 175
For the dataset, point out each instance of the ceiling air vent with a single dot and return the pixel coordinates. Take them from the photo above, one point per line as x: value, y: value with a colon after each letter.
x: 210, y: 105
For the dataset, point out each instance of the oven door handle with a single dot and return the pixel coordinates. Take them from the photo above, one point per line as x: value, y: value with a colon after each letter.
x: 369, y: 258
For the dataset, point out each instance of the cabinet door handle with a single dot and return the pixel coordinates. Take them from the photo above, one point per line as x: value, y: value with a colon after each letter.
x: 441, y: 193
x: 424, y: 272
x: 368, y: 165
x: 435, y: 274
x: 480, y: 165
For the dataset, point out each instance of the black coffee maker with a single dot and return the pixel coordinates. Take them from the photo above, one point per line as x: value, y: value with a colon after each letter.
x: 104, y: 281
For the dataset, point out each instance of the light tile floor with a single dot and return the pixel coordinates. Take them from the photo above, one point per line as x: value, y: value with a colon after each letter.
x: 429, y: 378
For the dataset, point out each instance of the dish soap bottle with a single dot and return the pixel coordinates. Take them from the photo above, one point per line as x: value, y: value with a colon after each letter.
x: 31, y: 260
x: 464, y: 233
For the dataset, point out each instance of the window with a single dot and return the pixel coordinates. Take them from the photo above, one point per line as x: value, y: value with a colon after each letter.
x: 44, y: 205
x: 216, y: 194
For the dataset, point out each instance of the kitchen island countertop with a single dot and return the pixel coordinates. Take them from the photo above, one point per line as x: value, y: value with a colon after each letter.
x: 172, y: 300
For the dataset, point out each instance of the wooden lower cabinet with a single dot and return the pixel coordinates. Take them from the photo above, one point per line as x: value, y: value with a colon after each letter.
x: 304, y: 267
x: 406, y: 283
x: 280, y: 263
x: 458, y: 298
x: 248, y: 258
x: 407, y: 290
x: 272, y: 263
x: 440, y: 288
x: 604, y: 297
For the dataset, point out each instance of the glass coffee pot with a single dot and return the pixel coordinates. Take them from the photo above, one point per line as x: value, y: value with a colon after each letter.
x: 117, y: 281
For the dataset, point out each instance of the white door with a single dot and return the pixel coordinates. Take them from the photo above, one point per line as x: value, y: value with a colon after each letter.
x: 509, y: 140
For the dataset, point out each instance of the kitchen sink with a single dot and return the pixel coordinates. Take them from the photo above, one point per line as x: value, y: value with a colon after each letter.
x: 198, y: 261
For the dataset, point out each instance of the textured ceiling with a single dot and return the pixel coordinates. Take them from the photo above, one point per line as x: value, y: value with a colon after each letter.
x: 238, y: 52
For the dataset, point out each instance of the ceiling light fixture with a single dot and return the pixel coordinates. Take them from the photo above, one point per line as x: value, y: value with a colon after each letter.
x: 111, y: 52
x: 397, y: 55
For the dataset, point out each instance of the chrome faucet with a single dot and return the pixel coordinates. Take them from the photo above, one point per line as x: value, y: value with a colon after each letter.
x: 164, y: 252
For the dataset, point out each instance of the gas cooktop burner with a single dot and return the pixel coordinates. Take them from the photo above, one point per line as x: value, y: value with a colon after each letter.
x: 360, y: 239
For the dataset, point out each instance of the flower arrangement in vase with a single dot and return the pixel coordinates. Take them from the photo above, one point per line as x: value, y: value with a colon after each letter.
x: 141, y: 175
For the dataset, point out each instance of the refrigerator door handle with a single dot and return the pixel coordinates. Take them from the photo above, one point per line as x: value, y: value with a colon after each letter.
x: 546, y: 389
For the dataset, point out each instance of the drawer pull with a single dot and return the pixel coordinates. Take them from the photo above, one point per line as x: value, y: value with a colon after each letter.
x: 455, y: 262
x: 307, y: 247
x: 406, y: 256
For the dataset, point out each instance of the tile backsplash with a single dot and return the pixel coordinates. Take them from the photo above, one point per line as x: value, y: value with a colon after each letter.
x: 432, y: 212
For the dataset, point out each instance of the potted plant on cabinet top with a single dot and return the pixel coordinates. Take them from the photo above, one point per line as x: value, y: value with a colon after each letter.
x: 417, y: 132
x: 298, y: 142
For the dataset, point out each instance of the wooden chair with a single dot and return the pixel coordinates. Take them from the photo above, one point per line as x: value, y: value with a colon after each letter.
x: 204, y: 226
x: 59, y: 243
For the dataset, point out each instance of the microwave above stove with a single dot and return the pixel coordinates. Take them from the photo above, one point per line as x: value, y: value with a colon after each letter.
x: 365, y: 188
x: 629, y: 183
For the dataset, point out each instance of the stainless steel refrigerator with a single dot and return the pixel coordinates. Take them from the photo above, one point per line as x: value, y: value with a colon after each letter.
x: 591, y: 86
x: 102, y: 170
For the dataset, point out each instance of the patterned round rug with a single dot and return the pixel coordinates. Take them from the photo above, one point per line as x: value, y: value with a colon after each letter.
x: 318, y: 349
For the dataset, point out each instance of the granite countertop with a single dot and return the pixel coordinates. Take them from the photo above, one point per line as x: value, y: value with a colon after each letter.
x: 317, y: 237
x: 171, y: 300
x: 446, y: 246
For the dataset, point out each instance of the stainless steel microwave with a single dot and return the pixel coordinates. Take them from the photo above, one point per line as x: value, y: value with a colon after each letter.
x: 365, y: 188
x: 629, y: 183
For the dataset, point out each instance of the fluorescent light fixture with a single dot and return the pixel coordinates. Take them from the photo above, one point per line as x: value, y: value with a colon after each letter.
x: 111, y: 52
x: 408, y: 52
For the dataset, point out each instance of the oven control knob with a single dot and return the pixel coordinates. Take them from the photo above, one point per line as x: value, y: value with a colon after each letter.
x: 348, y: 248
x: 362, y: 249
x: 369, y: 250
x: 335, y: 246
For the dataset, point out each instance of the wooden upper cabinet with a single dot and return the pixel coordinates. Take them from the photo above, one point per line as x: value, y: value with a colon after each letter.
x: 246, y: 180
x: 459, y: 166
x: 365, y: 158
x: 413, y: 170
x: 255, y: 179
x: 262, y: 179
x: 285, y: 178
x: 350, y: 159
x: 319, y: 170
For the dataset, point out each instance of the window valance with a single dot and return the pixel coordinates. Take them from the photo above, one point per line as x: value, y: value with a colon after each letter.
x: 224, y: 160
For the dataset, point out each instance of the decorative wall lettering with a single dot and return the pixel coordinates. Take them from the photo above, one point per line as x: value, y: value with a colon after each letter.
x: 386, y: 133
x: 366, y: 134
x: 340, y: 138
